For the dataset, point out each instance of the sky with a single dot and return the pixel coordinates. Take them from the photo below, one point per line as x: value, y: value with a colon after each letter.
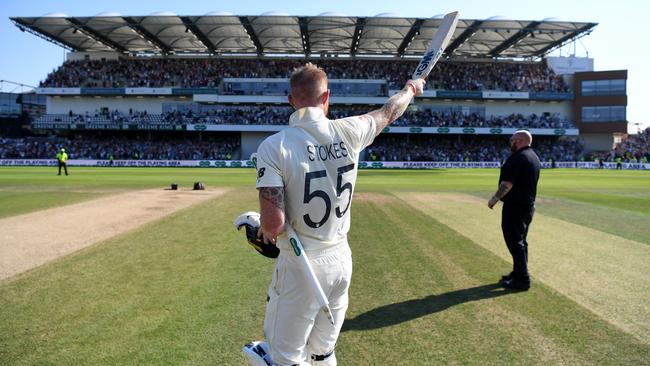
x: 615, y: 44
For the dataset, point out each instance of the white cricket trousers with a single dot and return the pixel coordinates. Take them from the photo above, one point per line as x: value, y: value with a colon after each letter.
x: 295, y: 327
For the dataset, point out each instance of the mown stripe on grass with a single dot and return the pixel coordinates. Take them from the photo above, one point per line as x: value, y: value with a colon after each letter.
x: 622, y: 200
x: 623, y: 190
x: 605, y: 273
x: 182, y: 290
x: 624, y: 223
x: 422, y: 294
x: 427, y: 295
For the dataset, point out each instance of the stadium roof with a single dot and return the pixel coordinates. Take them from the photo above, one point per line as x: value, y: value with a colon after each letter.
x: 274, y: 33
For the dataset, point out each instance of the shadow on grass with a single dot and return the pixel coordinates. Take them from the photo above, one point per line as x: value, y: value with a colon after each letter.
x: 392, y: 314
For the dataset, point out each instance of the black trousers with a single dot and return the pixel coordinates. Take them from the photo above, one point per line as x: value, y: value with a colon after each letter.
x: 65, y: 167
x: 515, y: 221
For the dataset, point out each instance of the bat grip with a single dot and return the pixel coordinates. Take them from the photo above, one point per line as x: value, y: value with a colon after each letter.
x: 309, y: 272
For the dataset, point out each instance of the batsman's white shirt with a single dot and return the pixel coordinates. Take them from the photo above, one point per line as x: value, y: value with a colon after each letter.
x: 316, y: 161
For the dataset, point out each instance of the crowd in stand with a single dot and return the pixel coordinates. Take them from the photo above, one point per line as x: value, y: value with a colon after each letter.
x: 279, y: 115
x: 109, y: 116
x: 467, y: 148
x: 385, y: 148
x: 199, y: 73
x: 496, y: 76
x: 562, y: 149
x: 435, y: 148
x: 430, y: 118
x: 425, y: 117
x: 241, y: 115
x: 633, y: 149
x: 95, y: 147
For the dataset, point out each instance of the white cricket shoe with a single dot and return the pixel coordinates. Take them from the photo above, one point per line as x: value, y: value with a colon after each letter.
x: 257, y: 354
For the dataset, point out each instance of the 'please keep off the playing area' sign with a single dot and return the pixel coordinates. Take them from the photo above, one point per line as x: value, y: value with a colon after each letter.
x: 362, y: 164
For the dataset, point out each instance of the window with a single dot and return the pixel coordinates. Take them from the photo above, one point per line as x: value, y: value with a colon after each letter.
x: 617, y: 87
x: 618, y: 113
x: 9, y: 104
x: 603, y: 114
x: 588, y: 88
x: 603, y: 87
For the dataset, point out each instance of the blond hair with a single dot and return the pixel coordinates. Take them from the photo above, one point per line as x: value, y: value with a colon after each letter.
x: 308, y: 82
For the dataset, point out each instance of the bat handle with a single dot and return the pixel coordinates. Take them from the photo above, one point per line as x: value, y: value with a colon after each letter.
x: 415, y: 90
x: 309, y: 272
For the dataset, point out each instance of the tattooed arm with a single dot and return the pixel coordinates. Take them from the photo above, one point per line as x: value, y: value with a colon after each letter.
x: 396, y: 105
x: 503, y: 189
x: 271, y: 212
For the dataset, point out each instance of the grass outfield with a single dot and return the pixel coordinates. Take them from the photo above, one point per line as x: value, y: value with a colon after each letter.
x: 427, y: 253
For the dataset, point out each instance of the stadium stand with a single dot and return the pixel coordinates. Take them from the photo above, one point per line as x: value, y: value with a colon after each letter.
x: 196, y: 73
x: 175, y: 147
x: 633, y: 149
x: 198, y: 94
x: 279, y: 115
x: 467, y: 148
x: 385, y: 148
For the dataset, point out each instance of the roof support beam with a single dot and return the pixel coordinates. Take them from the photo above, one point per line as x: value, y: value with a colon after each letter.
x: 59, y: 30
x: 414, y: 31
x: 141, y: 30
x: 463, y: 37
x: 304, y: 31
x: 358, y: 29
x: 251, y: 33
x: 97, y: 36
x: 189, y: 24
x: 24, y: 27
x: 580, y: 32
x: 523, y: 33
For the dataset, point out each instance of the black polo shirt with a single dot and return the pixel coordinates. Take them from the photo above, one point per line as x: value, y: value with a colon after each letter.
x: 522, y: 170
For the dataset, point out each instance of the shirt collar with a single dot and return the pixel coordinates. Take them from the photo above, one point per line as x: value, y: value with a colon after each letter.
x: 306, y: 115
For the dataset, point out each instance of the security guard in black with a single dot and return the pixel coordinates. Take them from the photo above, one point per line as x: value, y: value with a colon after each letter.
x: 522, y: 170
x: 518, y: 190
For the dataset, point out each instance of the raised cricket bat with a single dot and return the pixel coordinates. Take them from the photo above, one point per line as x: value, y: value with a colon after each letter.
x: 437, y: 46
x: 299, y: 251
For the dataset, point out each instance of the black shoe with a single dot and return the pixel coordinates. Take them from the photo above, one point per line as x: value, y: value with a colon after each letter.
x: 507, y: 277
x: 513, y: 284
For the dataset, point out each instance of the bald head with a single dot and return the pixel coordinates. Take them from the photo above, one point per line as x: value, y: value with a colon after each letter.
x: 309, y: 87
x: 519, y: 139
x: 524, y: 136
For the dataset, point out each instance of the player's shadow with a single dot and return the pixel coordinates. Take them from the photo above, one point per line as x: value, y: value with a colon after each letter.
x: 400, y: 312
